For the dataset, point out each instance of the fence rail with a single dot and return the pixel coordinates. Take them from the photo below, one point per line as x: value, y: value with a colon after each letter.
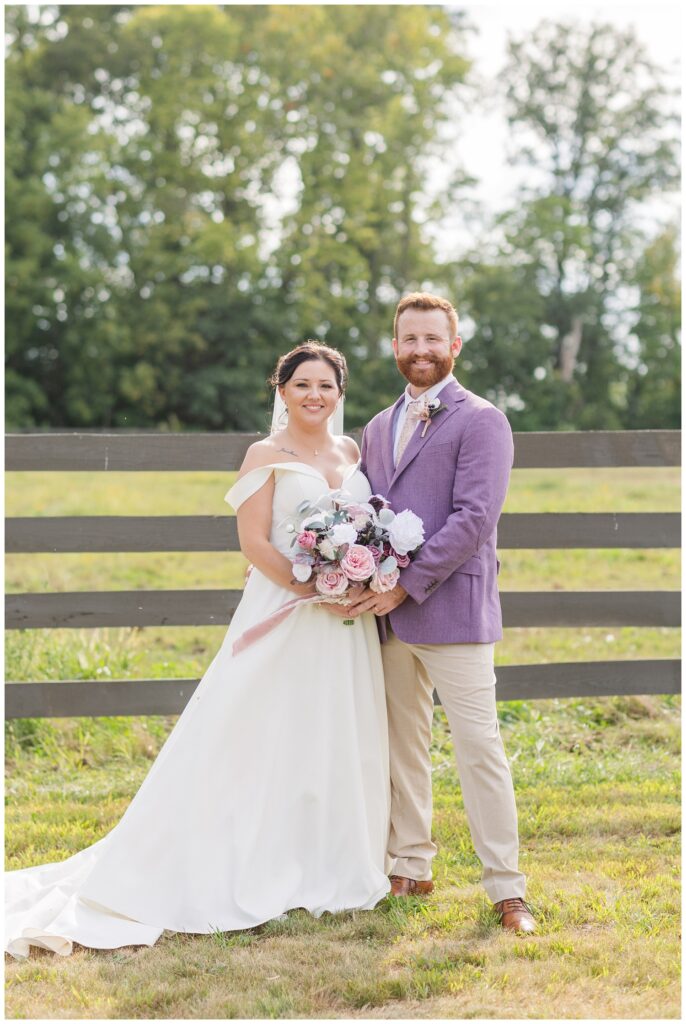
x: 218, y: 533
x: 87, y: 609
x: 182, y: 452
x: 170, y: 696
x: 224, y: 452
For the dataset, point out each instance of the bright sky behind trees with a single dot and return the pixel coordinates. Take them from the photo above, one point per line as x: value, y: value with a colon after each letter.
x: 484, y: 132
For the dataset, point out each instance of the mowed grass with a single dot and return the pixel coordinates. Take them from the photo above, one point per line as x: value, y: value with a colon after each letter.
x: 598, y: 796
x: 637, y: 489
x: 597, y: 788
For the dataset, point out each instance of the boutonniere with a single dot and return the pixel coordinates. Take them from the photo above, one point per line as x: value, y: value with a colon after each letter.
x: 429, y: 410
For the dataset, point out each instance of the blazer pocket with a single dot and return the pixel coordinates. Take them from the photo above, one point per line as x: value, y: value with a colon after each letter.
x: 472, y: 566
x: 442, y: 448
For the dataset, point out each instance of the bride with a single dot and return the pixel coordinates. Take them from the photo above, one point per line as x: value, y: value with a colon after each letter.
x: 272, y: 791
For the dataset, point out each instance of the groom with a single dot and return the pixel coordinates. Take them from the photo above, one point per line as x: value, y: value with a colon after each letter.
x: 446, y: 454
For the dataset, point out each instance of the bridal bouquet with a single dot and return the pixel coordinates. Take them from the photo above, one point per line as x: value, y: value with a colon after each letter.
x: 344, y: 544
x: 347, y: 544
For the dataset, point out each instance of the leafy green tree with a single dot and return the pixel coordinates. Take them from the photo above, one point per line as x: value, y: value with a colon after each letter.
x: 507, y: 355
x: 153, y: 276
x: 178, y: 287
x: 55, y: 245
x: 591, y: 125
x: 592, y: 119
x: 365, y: 91
x: 654, y: 392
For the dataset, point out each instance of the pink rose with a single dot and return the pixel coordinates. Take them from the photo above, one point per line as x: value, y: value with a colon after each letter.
x: 384, y: 581
x: 332, y: 584
x: 358, y: 563
x: 375, y: 553
x: 358, y: 510
x: 307, y: 539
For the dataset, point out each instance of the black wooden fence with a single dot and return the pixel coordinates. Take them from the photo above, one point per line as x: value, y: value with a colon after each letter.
x: 184, y: 452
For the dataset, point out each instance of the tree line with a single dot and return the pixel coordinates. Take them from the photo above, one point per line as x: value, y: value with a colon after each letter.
x: 153, y: 274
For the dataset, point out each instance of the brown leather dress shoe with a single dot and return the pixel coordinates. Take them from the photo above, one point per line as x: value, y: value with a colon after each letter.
x: 515, y: 915
x: 401, y: 886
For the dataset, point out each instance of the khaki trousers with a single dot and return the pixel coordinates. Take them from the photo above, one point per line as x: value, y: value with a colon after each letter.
x: 465, y: 682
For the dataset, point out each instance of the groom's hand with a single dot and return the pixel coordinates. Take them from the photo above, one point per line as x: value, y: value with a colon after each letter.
x: 385, y: 603
x: 359, y: 601
x: 380, y: 604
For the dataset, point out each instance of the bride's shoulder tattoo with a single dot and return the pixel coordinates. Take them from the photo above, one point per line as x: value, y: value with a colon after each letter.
x: 288, y: 451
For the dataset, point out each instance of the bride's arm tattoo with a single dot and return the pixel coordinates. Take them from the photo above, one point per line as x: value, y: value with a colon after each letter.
x: 289, y: 451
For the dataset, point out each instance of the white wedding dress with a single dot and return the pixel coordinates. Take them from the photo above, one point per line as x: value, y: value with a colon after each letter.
x: 272, y: 792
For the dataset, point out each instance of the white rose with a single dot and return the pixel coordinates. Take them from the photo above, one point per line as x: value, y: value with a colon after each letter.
x: 317, y: 520
x: 302, y: 573
x: 406, y: 532
x: 327, y: 549
x: 344, y: 533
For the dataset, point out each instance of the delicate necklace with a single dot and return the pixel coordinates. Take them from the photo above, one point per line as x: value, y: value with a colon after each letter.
x: 315, y: 451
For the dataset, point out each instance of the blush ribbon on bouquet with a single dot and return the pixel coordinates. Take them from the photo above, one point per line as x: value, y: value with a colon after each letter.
x: 273, y: 620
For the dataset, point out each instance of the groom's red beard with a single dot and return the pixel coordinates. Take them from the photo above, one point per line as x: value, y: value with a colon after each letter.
x: 427, y: 376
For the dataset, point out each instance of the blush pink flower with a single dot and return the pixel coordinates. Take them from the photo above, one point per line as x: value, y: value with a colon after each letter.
x: 384, y: 581
x: 332, y: 584
x: 376, y: 553
x: 357, y: 563
x: 359, y: 509
x: 307, y: 539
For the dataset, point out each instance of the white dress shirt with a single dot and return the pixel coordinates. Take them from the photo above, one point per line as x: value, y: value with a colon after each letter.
x: 430, y: 393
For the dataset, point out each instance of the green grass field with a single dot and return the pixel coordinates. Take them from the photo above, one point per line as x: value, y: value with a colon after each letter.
x: 597, y: 786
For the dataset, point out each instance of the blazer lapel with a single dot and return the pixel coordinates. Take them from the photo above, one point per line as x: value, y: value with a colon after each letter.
x: 387, y: 438
x: 451, y: 396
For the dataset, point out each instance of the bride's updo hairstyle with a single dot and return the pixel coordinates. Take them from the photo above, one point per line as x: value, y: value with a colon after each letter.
x: 309, y: 350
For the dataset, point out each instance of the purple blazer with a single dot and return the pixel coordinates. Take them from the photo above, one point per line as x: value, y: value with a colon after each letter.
x: 455, y: 478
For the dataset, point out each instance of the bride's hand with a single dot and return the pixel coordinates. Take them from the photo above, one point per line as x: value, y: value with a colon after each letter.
x: 341, y: 611
x: 303, y: 589
x: 350, y: 610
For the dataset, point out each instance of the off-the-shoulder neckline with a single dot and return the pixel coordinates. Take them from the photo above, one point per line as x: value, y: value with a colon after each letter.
x: 305, y: 465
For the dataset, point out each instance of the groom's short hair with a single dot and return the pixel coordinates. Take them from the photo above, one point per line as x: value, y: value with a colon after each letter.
x: 425, y: 300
